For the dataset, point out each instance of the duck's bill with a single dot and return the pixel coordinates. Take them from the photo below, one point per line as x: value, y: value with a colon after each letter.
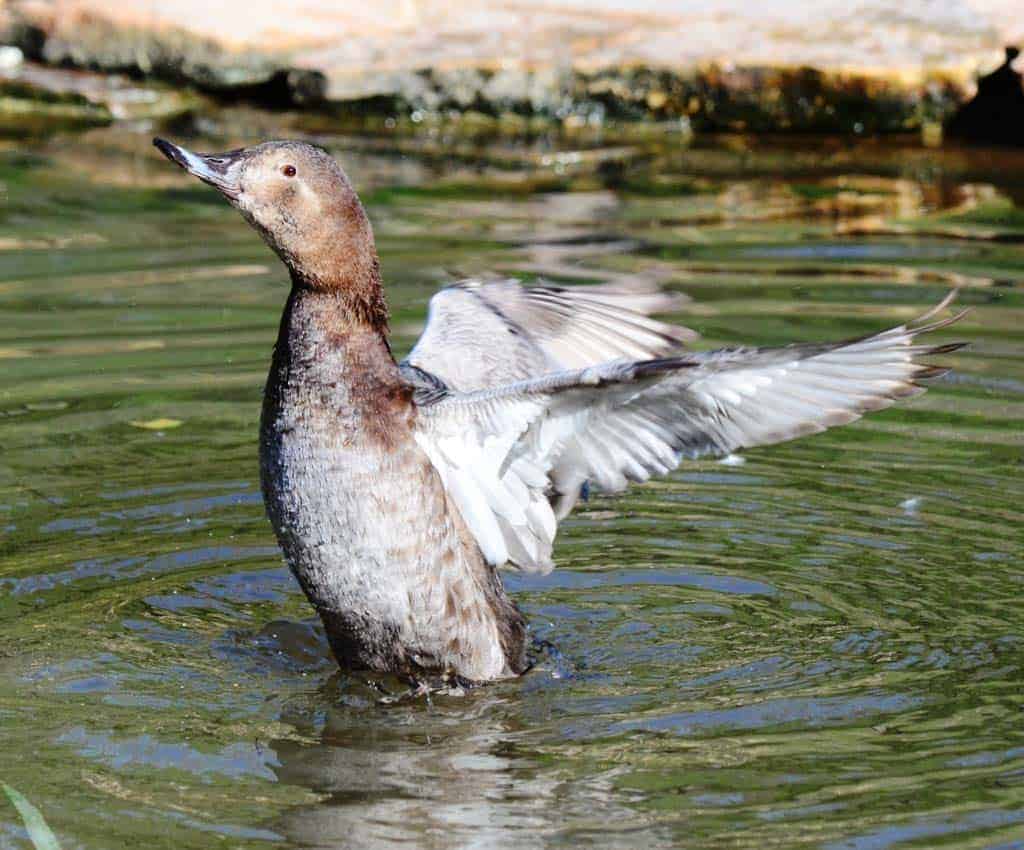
x: 220, y: 170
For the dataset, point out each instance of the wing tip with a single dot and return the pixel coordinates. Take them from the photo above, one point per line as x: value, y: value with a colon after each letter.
x: 923, y: 325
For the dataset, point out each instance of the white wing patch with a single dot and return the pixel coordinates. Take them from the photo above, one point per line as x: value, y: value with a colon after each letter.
x: 501, y: 498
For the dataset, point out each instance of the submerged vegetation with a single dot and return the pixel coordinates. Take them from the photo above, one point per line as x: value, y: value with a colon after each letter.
x: 39, y: 833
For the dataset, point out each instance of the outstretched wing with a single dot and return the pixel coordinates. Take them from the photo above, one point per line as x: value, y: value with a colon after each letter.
x: 486, y: 333
x: 513, y: 457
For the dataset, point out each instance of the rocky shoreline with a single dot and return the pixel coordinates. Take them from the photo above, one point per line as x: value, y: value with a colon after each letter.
x: 96, y: 71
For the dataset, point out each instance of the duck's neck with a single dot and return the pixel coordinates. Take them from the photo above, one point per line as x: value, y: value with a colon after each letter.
x: 320, y: 327
x: 352, y: 297
x: 338, y: 259
x: 332, y: 374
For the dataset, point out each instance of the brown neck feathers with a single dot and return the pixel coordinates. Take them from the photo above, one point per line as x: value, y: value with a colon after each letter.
x: 338, y: 256
x: 359, y: 293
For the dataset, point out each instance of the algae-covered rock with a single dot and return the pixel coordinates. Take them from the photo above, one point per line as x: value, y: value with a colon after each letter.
x: 169, y: 54
x: 27, y: 110
x: 542, y: 91
x: 89, y: 98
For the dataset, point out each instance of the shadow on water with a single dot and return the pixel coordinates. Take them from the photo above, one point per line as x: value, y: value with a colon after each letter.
x: 819, y: 643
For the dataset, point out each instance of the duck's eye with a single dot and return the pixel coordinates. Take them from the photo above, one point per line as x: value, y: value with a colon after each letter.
x: 288, y: 170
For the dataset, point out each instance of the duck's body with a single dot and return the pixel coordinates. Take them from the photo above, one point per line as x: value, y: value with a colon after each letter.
x: 362, y: 515
x: 397, y: 491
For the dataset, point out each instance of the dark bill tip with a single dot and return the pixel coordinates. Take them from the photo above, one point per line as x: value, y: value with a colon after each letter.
x: 219, y: 170
x: 172, y: 152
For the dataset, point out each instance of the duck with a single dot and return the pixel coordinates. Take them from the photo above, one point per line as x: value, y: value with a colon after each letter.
x: 398, y: 491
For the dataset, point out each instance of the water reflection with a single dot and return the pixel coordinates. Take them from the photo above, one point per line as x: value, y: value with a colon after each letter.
x: 447, y: 775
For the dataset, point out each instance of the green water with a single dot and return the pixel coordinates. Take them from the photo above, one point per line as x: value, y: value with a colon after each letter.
x: 823, y: 646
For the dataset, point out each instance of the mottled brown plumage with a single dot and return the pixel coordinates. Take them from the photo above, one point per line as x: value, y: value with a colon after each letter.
x: 356, y: 504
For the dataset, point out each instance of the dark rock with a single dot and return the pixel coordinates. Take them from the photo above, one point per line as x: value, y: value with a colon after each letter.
x: 995, y: 115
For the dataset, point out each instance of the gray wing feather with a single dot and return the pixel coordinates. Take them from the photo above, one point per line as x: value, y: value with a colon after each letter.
x: 512, y: 447
x: 487, y: 333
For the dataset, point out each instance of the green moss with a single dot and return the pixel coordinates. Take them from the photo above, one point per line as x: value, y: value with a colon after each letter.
x: 27, y: 110
x: 1000, y: 212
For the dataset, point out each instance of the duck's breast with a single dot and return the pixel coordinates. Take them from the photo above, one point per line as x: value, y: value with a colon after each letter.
x: 366, y: 526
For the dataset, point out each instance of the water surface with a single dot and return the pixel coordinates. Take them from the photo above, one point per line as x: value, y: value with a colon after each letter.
x: 822, y: 645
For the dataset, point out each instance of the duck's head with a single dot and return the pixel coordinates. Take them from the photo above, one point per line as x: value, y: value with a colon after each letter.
x: 301, y: 202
